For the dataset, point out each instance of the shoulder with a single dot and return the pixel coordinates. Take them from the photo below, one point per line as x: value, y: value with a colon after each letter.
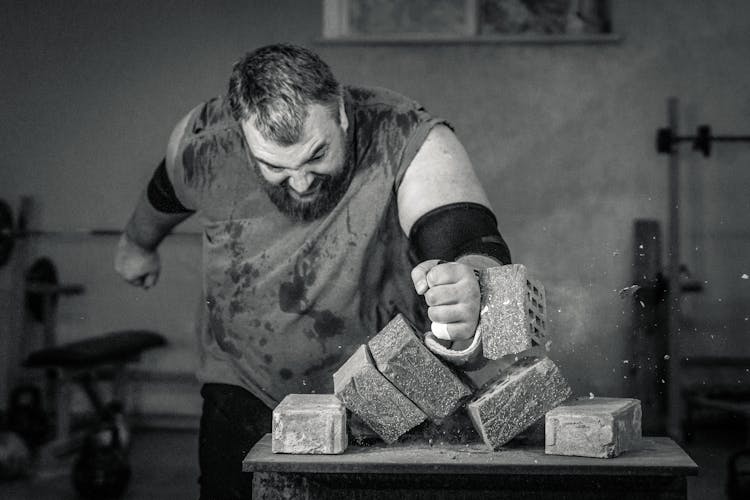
x: 212, y: 115
x: 382, y: 98
x: 200, y: 140
x: 384, y: 115
x: 208, y: 128
x: 206, y: 119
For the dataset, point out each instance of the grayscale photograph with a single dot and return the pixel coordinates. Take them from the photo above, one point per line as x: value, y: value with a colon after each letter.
x: 374, y: 249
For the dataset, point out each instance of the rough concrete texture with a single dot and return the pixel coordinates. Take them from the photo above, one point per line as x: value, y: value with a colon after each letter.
x: 513, y: 311
x: 402, y: 357
x: 523, y: 394
x: 309, y: 424
x: 596, y: 427
x: 366, y: 392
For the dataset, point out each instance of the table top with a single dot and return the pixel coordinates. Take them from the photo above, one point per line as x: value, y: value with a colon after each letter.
x: 655, y: 456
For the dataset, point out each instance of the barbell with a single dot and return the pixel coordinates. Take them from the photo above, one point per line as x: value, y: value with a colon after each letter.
x: 11, y: 230
x: 702, y: 140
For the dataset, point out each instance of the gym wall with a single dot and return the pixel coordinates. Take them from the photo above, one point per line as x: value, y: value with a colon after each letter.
x: 561, y: 136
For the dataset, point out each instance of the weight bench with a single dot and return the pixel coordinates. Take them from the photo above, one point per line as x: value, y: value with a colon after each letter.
x: 86, y: 361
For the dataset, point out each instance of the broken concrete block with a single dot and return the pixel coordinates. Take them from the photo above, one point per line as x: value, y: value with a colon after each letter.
x: 593, y: 427
x: 523, y: 394
x: 402, y: 357
x: 366, y: 392
x: 310, y: 424
x: 513, y: 311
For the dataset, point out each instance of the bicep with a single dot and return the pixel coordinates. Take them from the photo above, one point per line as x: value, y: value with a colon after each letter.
x: 440, y: 173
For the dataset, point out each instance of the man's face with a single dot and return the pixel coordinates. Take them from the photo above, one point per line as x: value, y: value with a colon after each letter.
x: 307, y: 179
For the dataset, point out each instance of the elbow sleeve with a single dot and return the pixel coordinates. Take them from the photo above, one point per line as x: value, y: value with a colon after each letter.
x: 458, y: 229
x: 161, y: 193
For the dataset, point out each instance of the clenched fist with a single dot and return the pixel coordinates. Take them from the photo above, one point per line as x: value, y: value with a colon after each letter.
x: 451, y: 290
x: 137, y: 266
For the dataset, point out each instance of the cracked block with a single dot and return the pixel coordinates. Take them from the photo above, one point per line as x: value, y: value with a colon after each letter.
x: 522, y: 394
x: 410, y: 366
x: 309, y: 424
x: 513, y: 311
x: 368, y: 394
x: 593, y: 427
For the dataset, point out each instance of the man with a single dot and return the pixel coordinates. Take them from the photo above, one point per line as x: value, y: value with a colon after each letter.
x: 327, y: 210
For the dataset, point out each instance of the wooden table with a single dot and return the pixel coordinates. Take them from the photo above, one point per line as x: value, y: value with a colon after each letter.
x: 658, y: 470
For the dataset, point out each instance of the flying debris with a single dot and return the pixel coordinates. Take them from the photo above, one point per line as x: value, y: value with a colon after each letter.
x: 628, y: 291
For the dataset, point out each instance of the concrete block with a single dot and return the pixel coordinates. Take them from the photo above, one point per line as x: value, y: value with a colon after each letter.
x: 367, y: 393
x: 410, y: 366
x: 490, y: 371
x: 519, y: 397
x: 513, y: 311
x: 593, y: 427
x: 309, y: 424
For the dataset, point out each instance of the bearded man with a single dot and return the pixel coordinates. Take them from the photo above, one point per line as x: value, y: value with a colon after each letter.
x: 326, y: 211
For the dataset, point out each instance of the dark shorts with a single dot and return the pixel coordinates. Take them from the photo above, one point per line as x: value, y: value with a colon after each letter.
x: 233, y: 421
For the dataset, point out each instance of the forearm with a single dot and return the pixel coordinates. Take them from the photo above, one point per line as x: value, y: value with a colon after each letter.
x: 147, y: 226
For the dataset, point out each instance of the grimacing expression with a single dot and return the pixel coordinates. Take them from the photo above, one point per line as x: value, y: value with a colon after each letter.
x: 307, y: 179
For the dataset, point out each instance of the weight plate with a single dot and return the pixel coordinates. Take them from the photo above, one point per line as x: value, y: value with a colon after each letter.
x: 6, y: 232
x: 42, y: 271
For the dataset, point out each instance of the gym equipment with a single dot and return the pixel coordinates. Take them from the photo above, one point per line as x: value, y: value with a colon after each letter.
x: 86, y: 361
x: 15, y: 458
x: 27, y: 418
x: 6, y: 223
x: 102, y: 470
x: 10, y: 231
x: 667, y: 137
x: 42, y: 291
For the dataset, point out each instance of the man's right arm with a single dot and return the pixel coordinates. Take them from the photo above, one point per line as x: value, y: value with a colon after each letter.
x: 157, y: 212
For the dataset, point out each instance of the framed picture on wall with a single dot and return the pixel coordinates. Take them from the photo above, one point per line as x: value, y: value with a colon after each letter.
x: 466, y: 20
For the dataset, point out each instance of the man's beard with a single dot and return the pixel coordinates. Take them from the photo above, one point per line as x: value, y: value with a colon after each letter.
x: 331, y: 188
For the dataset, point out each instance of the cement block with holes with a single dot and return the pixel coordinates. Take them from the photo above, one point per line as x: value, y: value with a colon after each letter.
x: 512, y: 312
x: 522, y: 394
x: 367, y: 393
x: 595, y: 427
x: 401, y: 356
x: 309, y: 424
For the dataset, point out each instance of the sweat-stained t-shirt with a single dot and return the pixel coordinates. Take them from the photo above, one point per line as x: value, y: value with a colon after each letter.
x: 289, y: 301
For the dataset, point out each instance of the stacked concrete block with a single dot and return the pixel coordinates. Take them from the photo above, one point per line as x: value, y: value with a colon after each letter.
x: 488, y: 373
x: 596, y: 427
x: 513, y: 311
x: 401, y: 356
x: 367, y: 393
x: 519, y: 397
x: 309, y: 424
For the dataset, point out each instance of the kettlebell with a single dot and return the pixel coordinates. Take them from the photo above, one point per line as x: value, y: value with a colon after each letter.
x: 26, y: 416
x: 102, y: 470
x: 15, y: 457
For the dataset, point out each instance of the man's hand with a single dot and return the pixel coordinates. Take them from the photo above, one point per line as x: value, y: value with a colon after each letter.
x: 136, y: 265
x: 451, y: 291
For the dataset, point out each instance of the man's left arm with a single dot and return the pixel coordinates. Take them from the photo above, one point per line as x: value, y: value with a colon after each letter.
x: 447, y: 215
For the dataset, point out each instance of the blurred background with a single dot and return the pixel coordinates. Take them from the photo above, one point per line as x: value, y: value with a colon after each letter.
x: 645, y: 255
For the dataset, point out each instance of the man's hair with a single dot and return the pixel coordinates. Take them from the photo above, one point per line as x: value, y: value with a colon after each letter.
x: 276, y: 83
